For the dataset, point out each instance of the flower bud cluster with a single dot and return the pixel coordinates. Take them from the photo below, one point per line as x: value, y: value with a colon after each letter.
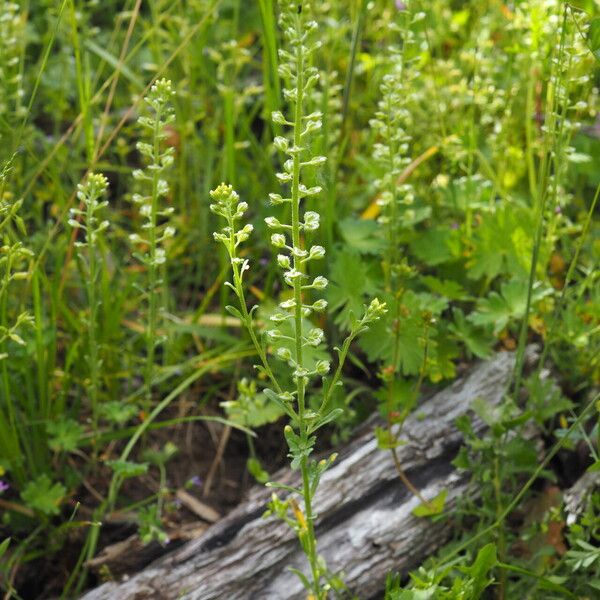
x: 227, y: 204
x: 90, y: 194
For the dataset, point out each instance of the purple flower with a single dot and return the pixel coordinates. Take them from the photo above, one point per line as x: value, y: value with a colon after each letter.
x: 196, y: 481
x: 557, y: 210
x: 401, y: 5
x: 3, y: 486
x: 454, y: 225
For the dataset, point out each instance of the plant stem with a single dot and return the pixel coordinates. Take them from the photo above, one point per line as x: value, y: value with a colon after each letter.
x: 93, y: 304
x: 311, y: 553
x: 311, y: 550
x: 247, y: 317
x: 552, y: 108
x: 152, y: 266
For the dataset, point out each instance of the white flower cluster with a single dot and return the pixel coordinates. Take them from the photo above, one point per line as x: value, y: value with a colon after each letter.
x: 392, y: 121
x: 12, y: 34
x: 155, y: 233
x: 288, y: 238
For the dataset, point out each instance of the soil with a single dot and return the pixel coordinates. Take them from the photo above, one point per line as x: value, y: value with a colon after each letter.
x: 190, y: 470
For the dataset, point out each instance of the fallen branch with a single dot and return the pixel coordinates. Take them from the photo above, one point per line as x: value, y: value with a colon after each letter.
x: 365, y: 524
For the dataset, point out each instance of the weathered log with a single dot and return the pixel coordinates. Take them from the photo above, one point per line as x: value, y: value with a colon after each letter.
x: 365, y: 524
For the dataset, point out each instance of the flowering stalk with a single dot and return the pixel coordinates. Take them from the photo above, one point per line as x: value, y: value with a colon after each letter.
x: 304, y: 423
x: 392, y: 121
x: 155, y: 235
x: 12, y: 36
x: 300, y: 80
x: 90, y: 194
x: 292, y: 313
x: 228, y: 206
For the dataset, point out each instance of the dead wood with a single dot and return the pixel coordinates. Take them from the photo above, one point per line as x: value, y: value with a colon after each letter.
x: 365, y: 524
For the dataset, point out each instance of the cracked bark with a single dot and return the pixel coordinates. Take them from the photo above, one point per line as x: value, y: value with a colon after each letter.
x: 365, y: 525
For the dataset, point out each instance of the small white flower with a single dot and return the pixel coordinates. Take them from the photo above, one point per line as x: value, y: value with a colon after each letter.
x: 284, y: 354
x: 317, y: 252
x: 278, y: 240
x: 320, y: 283
x: 311, y: 220
x: 272, y: 223
x: 283, y: 261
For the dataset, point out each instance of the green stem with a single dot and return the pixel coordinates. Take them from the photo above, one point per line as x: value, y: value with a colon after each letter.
x: 500, y: 594
x: 6, y: 387
x: 152, y: 267
x: 247, y: 317
x: 552, y: 107
x: 568, y: 278
x: 91, y: 293
x: 343, y: 353
x: 529, y: 110
x: 311, y: 549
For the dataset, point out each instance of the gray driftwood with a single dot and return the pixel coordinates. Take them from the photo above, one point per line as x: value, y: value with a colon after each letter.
x: 365, y: 525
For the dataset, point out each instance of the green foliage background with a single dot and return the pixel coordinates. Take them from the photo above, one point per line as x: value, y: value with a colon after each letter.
x: 495, y: 146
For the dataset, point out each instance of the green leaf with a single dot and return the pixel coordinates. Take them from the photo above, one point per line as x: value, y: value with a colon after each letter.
x: 521, y: 456
x: 409, y: 332
x: 493, y: 310
x: 127, y: 469
x: 252, y: 408
x: 545, y: 399
x: 300, y: 447
x: 280, y: 402
x: 445, y: 287
x: 282, y: 486
x: 64, y: 435
x: 150, y: 527
x: 328, y: 418
x: 160, y: 456
x: 118, y: 412
x: 379, y: 341
x: 350, y: 286
x: 43, y: 496
x: 255, y: 469
x: 362, y: 236
x: 485, y: 561
x: 477, y: 340
x: 234, y: 312
x: 302, y: 577
x: 503, y: 243
x: 4, y: 547
x: 594, y: 467
x: 500, y: 309
x: 398, y: 396
x: 433, y: 246
x: 386, y: 440
x: 433, y: 507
